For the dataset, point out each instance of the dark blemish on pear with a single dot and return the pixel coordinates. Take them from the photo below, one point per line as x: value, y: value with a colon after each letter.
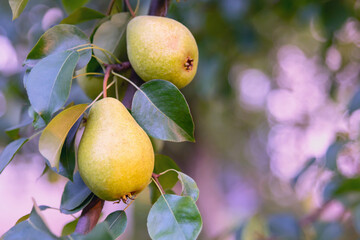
x: 189, y: 64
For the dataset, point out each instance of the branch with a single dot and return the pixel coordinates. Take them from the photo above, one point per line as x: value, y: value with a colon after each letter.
x: 159, y: 7
x: 91, y: 213
x: 90, y: 216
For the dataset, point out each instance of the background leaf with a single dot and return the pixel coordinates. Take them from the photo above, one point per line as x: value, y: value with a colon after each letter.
x: 71, y: 5
x: 9, y: 152
x: 17, y: 6
x: 175, y: 218
x: 75, y: 193
x: 111, y: 36
x: 82, y: 14
x: 53, y: 137
x: 58, y: 39
x: 162, y: 111
x: 306, y: 166
x: 285, y: 227
x: 13, y: 132
x: 49, y: 82
x: 332, y: 153
x: 328, y: 230
x: 69, y: 228
x: 117, y: 223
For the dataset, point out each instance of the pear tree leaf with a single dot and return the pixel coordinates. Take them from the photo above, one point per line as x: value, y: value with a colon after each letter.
x: 285, y: 226
x: 100, y: 231
x: 167, y: 180
x: 328, y: 230
x: 13, y: 132
x: 117, y: 223
x: 354, y: 103
x: 53, y: 137
x: 189, y: 187
x: 162, y: 111
x: 58, y: 39
x: 174, y: 217
x: 71, y: 5
x: 49, y: 82
x: 69, y: 228
x: 82, y: 14
x: 67, y: 156
x: 17, y: 6
x: 306, y: 167
x: 111, y: 36
x: 332, y: 153
x: 33, y: 228
x: 10, y: 151
x: 75, y: 193
x: 80, y: 207
x: 23, y: 218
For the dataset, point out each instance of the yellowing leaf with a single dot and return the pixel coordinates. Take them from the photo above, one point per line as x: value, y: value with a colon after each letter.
x: 53, y: 137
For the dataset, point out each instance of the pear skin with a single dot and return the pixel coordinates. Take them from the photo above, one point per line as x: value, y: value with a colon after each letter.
x: 115, y: 156
x: 162, y: 48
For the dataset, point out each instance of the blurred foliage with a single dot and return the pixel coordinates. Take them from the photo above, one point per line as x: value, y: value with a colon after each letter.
x: 233, y: 36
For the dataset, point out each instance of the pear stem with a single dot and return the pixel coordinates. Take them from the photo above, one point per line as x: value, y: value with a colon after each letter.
x: 107, y: 75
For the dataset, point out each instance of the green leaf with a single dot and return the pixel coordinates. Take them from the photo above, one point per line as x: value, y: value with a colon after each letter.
x: 189, y: 187
x: 332, y: 153
x: 67, y: 156
x: 348, y: 185
x: 354, y: 103
x: 9, y: 152
x: 17, y: 6
x: 58, y: 39
x: 75, y: 193
x: 285, y: 226
x: 110, y: 36
x: 33, y: 228
x: 174, y: 218
x: 25, y: 217
x: 162, y: 111
x: 13, y: 132
x: 49, y: 82
x: 38, y: 121
x: 328, y: 230
x: 306, y: 166
x: 117, y: 223
x: 167, y: 180
x: 69, y: 228
x: 80, y: 207
x: 71, y: 5
x: 101, y: 231
x: 53, y: 137
x: 82, y: 14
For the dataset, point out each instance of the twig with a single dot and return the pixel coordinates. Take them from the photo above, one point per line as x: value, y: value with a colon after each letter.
x: 128, y: 5
x: 111, y: 5
x: 156, y: 179
x: 117, y: 68
x: 90, y: 216
x: 106, y: 77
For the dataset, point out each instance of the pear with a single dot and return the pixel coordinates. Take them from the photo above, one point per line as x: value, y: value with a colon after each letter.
x: 115, y: 156
x: 162, y: 48
x: 92, y: 85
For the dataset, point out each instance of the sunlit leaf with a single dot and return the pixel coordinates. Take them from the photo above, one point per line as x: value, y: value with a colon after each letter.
x: 82, y: 14
x: 53, y: 137
x: 162, y: 111
x: 17, y: 6
x: 176, y: 217
x: 69, y: 228
x: 110, y: 36
x: 189, y: 187
x: 58, y: 39
x: 10, y: 151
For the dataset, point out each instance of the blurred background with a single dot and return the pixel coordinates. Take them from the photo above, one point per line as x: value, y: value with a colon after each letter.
x: 271, y: 95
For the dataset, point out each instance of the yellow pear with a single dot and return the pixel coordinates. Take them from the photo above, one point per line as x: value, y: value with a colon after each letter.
x: 162, y: 48
x: 115, y: 156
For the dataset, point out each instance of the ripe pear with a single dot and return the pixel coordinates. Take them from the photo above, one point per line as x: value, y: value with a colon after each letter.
x: 162, y: 48
x: 115, y: 156
x: 92, y: 85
